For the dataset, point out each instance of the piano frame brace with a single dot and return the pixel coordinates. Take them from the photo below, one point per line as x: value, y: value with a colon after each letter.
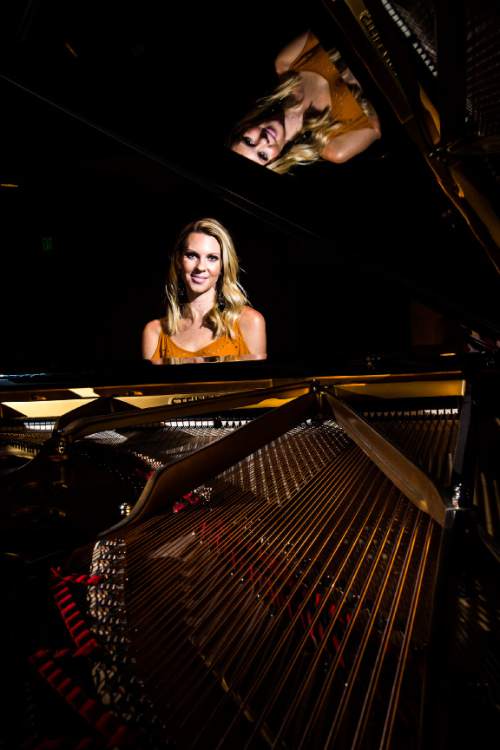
x: 173, y: 481
x: 407, y: 477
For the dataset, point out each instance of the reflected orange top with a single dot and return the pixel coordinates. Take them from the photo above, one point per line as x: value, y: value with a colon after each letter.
x: 345, y: 108
x: 221, y: 347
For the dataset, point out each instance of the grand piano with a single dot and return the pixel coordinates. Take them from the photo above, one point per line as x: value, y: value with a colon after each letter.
x: 298, y: 552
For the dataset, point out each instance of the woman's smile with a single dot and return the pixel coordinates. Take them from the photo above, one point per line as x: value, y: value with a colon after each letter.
x: 271, y: 133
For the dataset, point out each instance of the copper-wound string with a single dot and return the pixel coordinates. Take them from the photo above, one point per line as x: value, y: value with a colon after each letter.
x: 324, y: 695
x: 228, y: 536
x: 247, y: 649
x: 345, y: 504
x: 369, y: 627
x: 147, y: 581
x: 231, y: 538
x: 385, y: 741
x: 384, y: 496
x: 384, y: 643
x: 272, y: 583
x: 301, y: 536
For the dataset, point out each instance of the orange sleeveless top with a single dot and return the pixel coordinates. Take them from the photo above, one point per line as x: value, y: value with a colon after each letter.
x: 221, y: 347
x: 345, y: 108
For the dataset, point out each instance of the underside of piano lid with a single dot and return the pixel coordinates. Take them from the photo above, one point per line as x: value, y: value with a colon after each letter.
x: 90, y: 127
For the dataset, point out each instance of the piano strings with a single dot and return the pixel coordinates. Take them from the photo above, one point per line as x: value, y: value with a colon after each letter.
x: 270, y: 611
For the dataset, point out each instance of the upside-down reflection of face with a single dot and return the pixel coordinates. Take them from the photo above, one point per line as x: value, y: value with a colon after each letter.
x: 261, y: 143
x: 201, y: 263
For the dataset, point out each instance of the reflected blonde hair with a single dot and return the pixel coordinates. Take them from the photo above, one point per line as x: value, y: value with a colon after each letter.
x: 305, y: 147
x: 230, y: 297
x: 317, y: 129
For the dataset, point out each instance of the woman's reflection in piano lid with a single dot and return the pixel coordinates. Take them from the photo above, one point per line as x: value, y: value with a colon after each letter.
x: 317, y: 111
x: 208, y: 317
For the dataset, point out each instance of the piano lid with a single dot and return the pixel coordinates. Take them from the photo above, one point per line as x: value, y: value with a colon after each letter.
x: 139, y: 101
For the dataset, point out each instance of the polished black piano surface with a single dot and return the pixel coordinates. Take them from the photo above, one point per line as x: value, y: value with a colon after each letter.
x: 295, y: 552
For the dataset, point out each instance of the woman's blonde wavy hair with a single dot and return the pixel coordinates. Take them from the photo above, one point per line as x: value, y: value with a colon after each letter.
x: 230, y: 297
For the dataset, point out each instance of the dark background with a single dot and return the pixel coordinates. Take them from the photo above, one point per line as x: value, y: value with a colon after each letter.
x: 114, y: 125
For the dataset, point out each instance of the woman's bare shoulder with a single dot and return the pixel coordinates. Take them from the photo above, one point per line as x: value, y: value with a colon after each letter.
x: 150, y: 336
x: 153, y: 327
x: 290, y: 53
x: 250, y: 318
x: 253, y: 329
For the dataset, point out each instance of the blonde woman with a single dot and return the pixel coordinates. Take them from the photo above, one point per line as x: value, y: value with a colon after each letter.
x: 207, y: 311
x: 316, y: 112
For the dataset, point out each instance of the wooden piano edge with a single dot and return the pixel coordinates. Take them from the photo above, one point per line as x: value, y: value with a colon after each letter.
x: 40, y: 403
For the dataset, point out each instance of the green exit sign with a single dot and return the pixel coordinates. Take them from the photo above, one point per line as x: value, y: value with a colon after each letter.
x: 48, y: 244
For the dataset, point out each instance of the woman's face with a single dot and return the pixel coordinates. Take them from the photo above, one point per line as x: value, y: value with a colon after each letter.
x: 261, y: 143
x: 201, y: 263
